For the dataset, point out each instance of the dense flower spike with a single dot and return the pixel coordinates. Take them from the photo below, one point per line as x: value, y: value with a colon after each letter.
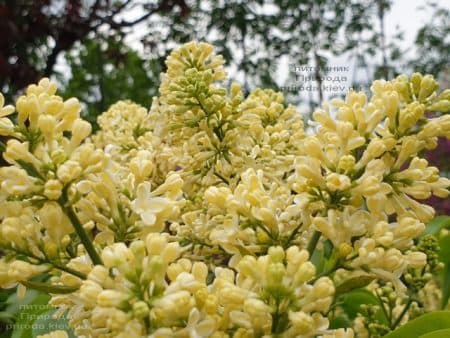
x: 219, y: 215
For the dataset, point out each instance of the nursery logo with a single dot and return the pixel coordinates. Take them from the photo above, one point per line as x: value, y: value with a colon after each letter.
x: 331, y: 80
x: 38, y: 318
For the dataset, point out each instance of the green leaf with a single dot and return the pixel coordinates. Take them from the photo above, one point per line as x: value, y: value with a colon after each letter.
x: 5, y: 334
x: 427, y: 323
x: 327, y: 248
x: 45, y: 323
x: 444, y: 256
x: 29, y: 313
x: 437, y: 334
x: 444, y: 248
x: 340, y: 321
x: 47, y: 288
x: 445, y: 286
x: 15, y: 304
x: 30, y: 169
x: 318, y: 259
x: 6, y: 317
x: 33, y: 316
x: 438, y: 223
x: 356, y: 282
x: 4, y: 295
x: 352, y: 301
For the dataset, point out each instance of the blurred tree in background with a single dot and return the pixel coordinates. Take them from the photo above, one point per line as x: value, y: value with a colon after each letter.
x: 107, y: 70
x: 306, y: 32
x: 36, y: 32
x: 87, y: 39
x: 433, y: 44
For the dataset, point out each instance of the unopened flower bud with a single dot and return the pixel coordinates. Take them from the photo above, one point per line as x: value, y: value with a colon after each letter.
x: 16, y: 150
x: 111, y: 298
x: 155, y: 244
x: 6, y: 127
x: 80, y: 130
x: 302, y: 323
x: 140, y: 309
x: 69, y: 171
x: 428, y: 86
x: 276, y: 254
x: 346, y: 163
x: 344, y: 249
x: 416, y: 79
x: 53, y: 189
x: 337, y: 182
x: 47, y: 124
x: 442, y: 106
x: 275, y: 274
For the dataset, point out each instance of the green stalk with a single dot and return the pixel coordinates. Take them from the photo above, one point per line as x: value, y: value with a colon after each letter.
x: 399, y: 318
x: 87, y: 243
x: 69, y: 270
x: 292, y: 236
x: 383, y: 308
x: 48, y: 288
x: 55, y: 265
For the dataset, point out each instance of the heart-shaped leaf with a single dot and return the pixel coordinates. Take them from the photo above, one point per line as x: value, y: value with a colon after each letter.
x: 430, y: 322
x: 437, y: 334
x: 436, y: 224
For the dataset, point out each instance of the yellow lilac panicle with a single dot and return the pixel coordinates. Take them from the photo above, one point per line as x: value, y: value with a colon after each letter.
x: 138, y: 295
x: 218, y: 214
x: 122, y: 124
x: 266, y: 288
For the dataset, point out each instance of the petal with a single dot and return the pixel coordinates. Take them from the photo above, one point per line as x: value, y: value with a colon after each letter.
x: 194, y: 317
x: 5, y: 111
x: 143, y: 191
x: 148, y: 217
x: 158, y: 204
x: 206, y: 327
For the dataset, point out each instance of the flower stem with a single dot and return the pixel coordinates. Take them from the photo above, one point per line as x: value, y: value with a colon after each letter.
x: 55, y: 265
x: 292, y: 236
x: 69, y: 270
x: 84, y: 238
x: 383, y: 308
x: 400, y: 317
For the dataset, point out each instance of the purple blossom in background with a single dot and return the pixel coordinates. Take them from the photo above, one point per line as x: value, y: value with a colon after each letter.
x: 440, y: 157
